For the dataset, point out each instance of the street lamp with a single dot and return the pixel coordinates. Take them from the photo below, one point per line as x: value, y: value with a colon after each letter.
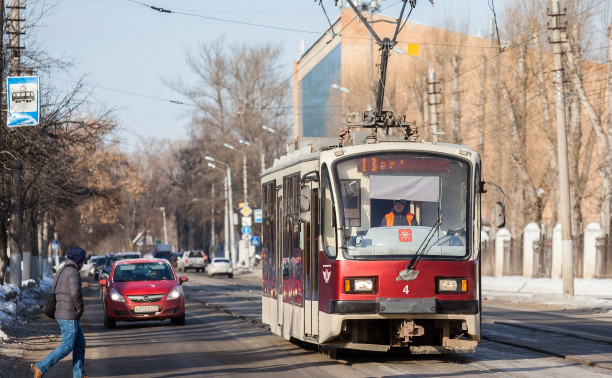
x: 226, y: 220
x: 230, y: 203
x: 348, y: 91
x: 163, y: 210
x: 261, y: 146
x: 340, y: 88
x: 244, y: 168
x: 269, y: 129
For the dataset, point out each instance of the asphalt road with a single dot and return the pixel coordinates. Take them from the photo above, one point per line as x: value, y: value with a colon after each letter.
x: 223, y: 336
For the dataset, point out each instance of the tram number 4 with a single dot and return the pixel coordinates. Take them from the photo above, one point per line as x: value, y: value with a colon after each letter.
x: 406, y: 290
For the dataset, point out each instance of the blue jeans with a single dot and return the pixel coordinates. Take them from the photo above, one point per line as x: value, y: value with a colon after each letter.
x: 73, y: 340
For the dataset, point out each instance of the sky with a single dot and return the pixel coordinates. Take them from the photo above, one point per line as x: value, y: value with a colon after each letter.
x: 128, y: 52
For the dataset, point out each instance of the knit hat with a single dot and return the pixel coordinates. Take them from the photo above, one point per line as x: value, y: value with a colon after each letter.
x: 403, y: 202
x: 76, y: 254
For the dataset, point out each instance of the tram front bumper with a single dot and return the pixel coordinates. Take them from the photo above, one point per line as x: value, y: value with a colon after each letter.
x: 405, y: 306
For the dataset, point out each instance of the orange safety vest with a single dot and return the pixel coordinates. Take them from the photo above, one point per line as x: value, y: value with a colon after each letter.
x: 391, y: 216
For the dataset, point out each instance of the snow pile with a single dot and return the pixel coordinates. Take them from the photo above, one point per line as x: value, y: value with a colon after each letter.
x: 9, y: 294
x: 14, y: 301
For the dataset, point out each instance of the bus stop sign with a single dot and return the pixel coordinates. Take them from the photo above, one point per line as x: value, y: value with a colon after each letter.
x: 23, y: 101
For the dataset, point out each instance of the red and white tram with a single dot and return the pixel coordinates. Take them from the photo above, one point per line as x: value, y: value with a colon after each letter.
x: 337, y: 274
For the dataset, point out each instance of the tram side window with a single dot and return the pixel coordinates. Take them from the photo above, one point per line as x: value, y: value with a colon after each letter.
x: 268, y: 240
x: 328, y: 215
x: 351, y: 201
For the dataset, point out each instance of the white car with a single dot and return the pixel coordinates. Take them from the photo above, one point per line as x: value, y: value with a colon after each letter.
x: 192, y: 260
x: 220, y: 265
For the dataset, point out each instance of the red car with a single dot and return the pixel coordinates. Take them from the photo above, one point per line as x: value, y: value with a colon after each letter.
x: 143, y: 289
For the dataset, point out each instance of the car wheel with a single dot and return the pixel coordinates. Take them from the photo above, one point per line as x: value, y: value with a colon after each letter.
x: 179, y: 321
x: 231, y: 275
x: 108, y: 322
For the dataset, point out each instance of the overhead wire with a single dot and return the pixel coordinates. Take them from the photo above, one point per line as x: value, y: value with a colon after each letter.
x: 312, y: 32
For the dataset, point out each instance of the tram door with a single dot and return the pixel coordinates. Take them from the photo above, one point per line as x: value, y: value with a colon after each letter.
x: 311, y: 259
x: 279, y: 257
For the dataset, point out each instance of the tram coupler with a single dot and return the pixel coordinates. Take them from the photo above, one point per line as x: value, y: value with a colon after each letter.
x: 409, y: 329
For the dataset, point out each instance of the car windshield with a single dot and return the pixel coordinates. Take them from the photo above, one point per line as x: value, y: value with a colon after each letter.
x: 396, y: 204
x: 148, y: 271
x: 221, y: 261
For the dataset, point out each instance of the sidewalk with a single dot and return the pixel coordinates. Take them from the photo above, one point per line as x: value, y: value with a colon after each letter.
x: 589, y: 294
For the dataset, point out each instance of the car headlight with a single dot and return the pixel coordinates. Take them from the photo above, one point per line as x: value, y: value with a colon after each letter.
x: 359, y: 285
x: 175, y: 293
x: 115, y: 296
x: 452, y: 285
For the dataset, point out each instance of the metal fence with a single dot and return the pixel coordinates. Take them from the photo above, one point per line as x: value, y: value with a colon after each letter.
x: 487, y: 252
x: 543, y: 252
x: 604, y: 257
x: 578, y: 246
x: 513, y: 257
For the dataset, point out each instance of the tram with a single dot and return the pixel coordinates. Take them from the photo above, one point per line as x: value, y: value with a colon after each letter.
x: 371, y: 241
x: 336, y: 274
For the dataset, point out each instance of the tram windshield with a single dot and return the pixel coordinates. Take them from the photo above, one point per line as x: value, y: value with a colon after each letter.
x: 396, y: 204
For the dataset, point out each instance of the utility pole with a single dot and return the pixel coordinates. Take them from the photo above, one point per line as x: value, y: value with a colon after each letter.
x: 16, y: 217
x: 163, y: 210
x: 213, y: 239
x: 230, y: 206
x: 244, y: 178
x: 226, y: 222
x: 433, y: 103
x: 564, y: 191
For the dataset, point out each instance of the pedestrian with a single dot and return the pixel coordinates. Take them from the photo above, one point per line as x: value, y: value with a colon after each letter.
x: 68, y: 312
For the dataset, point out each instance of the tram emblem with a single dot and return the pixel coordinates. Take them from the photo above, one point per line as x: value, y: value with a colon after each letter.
x: 326, y: 275
x: 407, y: 275
x: 405, y: 235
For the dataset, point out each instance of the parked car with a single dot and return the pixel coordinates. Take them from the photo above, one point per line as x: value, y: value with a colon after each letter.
x: 143, y: 289
x: 220, y: 265
x: 195, y: 260
x: 165, y: 255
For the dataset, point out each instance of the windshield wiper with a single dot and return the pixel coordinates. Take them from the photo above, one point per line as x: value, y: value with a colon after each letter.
x: 415, y: 259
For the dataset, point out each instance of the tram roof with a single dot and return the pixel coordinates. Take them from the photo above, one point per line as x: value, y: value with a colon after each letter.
x: 303, y: 149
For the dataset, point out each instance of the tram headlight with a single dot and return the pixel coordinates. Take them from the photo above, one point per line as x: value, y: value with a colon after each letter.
x: 360, y: 285
x: 451, y: 285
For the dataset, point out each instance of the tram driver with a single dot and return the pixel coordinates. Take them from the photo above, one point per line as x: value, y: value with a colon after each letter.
x: 399, y: 216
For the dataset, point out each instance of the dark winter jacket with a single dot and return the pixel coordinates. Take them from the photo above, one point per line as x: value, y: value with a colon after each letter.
x: 68, y: 292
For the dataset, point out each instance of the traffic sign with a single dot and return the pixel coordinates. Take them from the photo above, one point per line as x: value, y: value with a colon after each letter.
x: 258, y: 214
x: 246, y: 230
x: 246, y: 211
x: 23, y: 101
x: 247, y: 221
x: 255, y: 241
x: 55, y: 245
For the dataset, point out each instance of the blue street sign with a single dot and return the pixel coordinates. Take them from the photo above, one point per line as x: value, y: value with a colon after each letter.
x: 255, y: 241
x: 257, y: 213
x: 23, y: 101
x: 55, y: 245
x: 246, y: 230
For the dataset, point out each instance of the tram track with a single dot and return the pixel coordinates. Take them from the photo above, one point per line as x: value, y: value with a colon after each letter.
x: 492, y: 335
